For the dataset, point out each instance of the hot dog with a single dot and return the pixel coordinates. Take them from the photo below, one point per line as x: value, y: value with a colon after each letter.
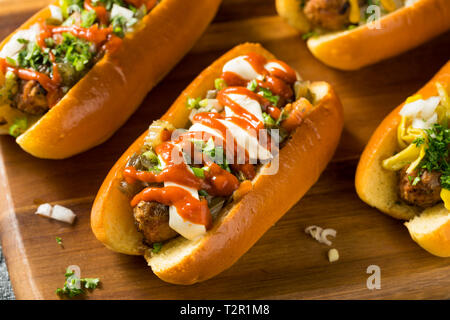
x: 255, y: 138
x: 74, y: 73
x: 404, y: 168
x: 351, y: 34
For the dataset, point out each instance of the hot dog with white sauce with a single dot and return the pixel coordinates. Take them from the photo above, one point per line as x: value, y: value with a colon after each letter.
x: 183, y: 188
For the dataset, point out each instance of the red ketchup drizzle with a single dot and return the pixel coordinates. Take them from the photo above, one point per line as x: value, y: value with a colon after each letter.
x: 102, y: 13
x: 275, y: 79
x: 93, y: 34
x: 217, y: 181
x: 190, y: 208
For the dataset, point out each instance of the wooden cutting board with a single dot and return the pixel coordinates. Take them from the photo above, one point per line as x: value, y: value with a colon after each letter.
x: 285, y: 263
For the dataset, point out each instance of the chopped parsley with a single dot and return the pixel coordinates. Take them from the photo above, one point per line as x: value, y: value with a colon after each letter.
x: 73, y: 286
x: 419, y: 141
x: 436, y: 155
x: 74, y: 51
x: 33, y: 57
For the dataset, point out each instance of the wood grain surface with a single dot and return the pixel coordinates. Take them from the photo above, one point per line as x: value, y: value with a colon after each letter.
x: 285, y: 263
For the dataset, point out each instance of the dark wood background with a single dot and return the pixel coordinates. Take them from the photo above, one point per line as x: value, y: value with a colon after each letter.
x: 285, y: 263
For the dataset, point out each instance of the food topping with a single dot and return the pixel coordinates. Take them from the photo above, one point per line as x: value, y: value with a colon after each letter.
x: 423, y: 141
x: 40, y: 64
x: 331, y: 15
x: 56, y: 212
x: 192, y: 173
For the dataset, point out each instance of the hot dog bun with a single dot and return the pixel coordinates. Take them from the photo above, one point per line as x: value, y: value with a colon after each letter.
x: 431, y: 230
x: 241, y: 223
x: 401, y: 30
x: 113, y: 89
x: 378, y: 187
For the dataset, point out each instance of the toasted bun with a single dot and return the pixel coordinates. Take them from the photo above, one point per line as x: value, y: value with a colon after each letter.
x: 399, y: 31
x: 291, y: 11
x: 431, y: 230
x: 375, y: 185
x: 113, y: 89
x: 242, y: 223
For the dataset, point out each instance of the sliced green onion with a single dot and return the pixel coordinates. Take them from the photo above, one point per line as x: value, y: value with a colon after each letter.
x: 220, y: 84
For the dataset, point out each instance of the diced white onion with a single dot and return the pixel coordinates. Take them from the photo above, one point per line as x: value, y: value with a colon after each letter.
x: 63, y: 214
x: 44, y: 210
x: 121, y: 12
x: 420, y: 108
x: 56, y: 13
x: 12, y: 47
x: 428, y: 124
x: 57, y: 212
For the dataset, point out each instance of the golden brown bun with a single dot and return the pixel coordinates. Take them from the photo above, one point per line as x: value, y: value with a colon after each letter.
x: 241, y: 224
x: 113, y: 89
x: 378, y: 187
x: 290, y: 11
x: 431, y: 230
x: 400, y: 31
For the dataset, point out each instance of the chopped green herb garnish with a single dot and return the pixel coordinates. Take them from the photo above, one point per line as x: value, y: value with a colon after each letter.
x: 18, y: 127
x: 203, y: 193
x: 436, y: 155
x: 88, y: 18
x: 73, y: 285
x: 203, y: 103
x: 268, y: 120
x: 91, y: 283
x: 416, y: 180
x: 33, y: 57
x: 220, y: 84
x: 266, y: 93
x: 419, y: 141
x: 59, y: 241
x: 308, y: 35
x: 11, y: 61
x: 157, y: 247
x: 192, y: 103
x: 252, y: 85
x: 73, y: 51
x: 199, y: 172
